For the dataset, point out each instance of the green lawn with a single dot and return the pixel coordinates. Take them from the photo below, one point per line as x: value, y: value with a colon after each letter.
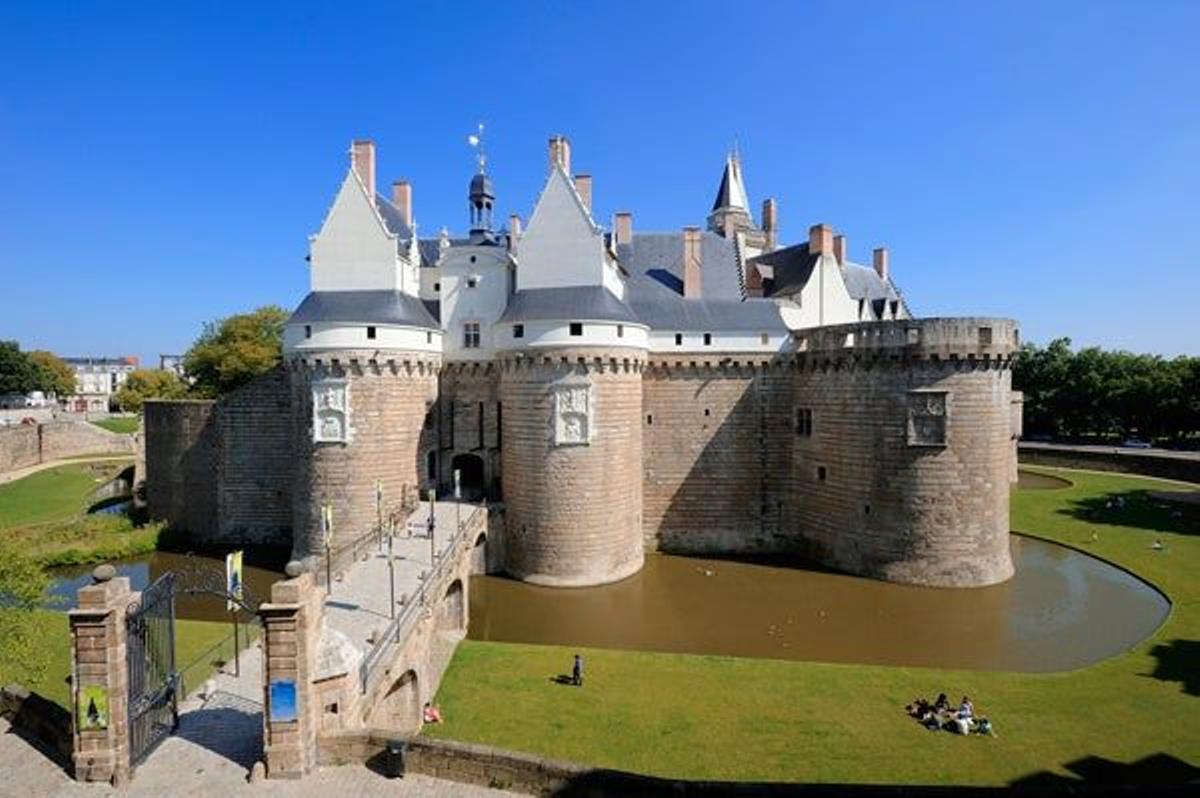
x: 729, y: 718
x: 119, y: 424
x: 55, y: 494
x: 199, y: 647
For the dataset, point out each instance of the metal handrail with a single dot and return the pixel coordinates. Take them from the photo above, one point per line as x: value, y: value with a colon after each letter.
x: 408, y: 615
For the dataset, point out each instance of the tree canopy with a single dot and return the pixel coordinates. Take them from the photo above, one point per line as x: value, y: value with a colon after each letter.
x: 1103, y: 393
x: 17, y: 372
x: 233, y: 351
x: 53, y: 374
x: 144, y: 384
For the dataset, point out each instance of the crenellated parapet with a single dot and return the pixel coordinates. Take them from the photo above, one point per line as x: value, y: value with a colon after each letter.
x: 375, y: 362
x: 952, y: 339
x: 552, y: 362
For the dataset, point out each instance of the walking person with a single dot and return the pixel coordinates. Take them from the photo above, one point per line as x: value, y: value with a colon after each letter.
x: 577, y: 672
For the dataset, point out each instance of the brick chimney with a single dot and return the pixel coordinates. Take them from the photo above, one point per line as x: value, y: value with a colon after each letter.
x: 623, y: 227
x: 362, y: 158
x: 839, y: 248
x: 692, y: 262
x: 583, y: 185
x: 514, y: 225
x: 820, y: 239
x: 880, y: 261
x: 770, y: 220
x: 402, y: 199
x: 560, y: 153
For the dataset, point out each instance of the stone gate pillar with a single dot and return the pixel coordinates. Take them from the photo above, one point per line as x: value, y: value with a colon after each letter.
x: 100, y: 683
x: 291, y: 637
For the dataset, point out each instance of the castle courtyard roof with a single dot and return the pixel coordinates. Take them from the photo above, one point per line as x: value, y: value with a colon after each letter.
x: 380, y: 307
x: 575, y: 303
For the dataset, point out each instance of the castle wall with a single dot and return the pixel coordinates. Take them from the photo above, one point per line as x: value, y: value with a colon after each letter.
x: 717, y: 448
x: 873, y: 491
x: 390, y: 396
x: 469, y: 416
x: 254, y: 462
x: 181, y: 477
x: 573, y: 510
x: 19, y: 447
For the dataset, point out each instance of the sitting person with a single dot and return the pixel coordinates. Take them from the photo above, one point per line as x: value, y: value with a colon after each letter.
x: 984, y: 726
x: 966, y: 710
x: 942, y: 704
x: 919, y: 708
x: 431, y: 714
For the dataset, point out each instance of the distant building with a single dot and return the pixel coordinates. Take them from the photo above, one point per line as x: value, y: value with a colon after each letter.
x: 96, y: 380
x: 171, y: 363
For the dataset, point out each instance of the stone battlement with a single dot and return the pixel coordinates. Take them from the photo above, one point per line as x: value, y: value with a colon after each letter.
x: 367, y: 361
x: 575, y: 359
x: 934, y: 339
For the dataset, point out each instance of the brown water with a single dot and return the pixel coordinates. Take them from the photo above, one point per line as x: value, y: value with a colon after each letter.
x: 1029, y: 480
x: 142, y: 571
x: 1062, y: 610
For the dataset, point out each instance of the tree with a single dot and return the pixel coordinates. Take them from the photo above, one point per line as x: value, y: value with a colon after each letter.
x: 231, y: 352
x: 53, y: 375
x: 146, y: 384
x: 17, y: 373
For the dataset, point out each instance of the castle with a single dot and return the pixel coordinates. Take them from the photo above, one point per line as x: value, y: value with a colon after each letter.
x: 610, y: 392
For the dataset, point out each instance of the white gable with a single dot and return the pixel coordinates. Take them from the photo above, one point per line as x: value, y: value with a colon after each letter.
x: 562, y: 246
x: 353, y: 251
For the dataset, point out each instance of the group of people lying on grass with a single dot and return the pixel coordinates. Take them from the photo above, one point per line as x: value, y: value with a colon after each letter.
x: 941, y: 715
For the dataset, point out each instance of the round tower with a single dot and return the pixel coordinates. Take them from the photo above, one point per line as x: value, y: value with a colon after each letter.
x: 902, y: 449
x: 572, y: 448
x: 363, y: 369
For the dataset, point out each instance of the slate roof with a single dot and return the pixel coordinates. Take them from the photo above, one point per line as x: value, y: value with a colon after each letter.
x: 381, y: 307
x: 576, y: 303
x: 392, y: 218
x: 654, y: 262
x: 788, y: 270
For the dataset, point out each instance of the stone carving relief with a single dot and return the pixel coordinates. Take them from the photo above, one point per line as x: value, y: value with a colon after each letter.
x: 927, y: 418
x: 331, y: 411
x: 572, y: 415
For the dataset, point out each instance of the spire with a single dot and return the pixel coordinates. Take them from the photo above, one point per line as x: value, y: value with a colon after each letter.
x: 481, y: 196
x: 732, y: 193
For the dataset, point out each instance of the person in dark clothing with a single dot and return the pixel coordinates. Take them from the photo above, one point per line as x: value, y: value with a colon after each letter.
x: 577, y: 672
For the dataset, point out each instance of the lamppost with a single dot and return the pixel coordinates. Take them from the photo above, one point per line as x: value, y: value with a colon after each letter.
x: 392, y: 567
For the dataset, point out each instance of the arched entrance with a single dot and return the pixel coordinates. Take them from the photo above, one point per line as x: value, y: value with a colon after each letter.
x: 452, y: 612
x: 479, y: 560
x: 401, y: 707
x: 470, y: 471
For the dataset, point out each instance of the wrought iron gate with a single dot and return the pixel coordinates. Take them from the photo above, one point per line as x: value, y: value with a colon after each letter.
x: 153, y: 681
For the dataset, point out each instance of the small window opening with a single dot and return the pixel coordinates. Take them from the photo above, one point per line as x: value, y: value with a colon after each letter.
x: 472, y: 259
x: 985, y: 336
x: 371, y: 332
x: 308, y: 331
x: 576, y: 328
x: 472, y: 282
x: 804, y: 422
x: 620, y: 330
x: 428, y: 337
x: 766, y: 339
x: 437, y: 286
x: 649, y: 419
x: 331, y: 709
x: 821, y: 473
x: 866, y: 509
x: 708, y: 339
x: 518, y: 331
x: 678, y: 339
x: 706, y: 412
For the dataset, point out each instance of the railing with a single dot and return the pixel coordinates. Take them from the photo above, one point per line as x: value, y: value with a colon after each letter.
x: 346, y: 553
x: 402, y: 625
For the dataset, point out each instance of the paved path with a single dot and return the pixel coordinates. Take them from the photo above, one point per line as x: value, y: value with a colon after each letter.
x: 193, y: 770
x: 9, y: 476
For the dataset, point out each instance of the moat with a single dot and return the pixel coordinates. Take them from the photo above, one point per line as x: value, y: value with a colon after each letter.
x: 1062, y: 610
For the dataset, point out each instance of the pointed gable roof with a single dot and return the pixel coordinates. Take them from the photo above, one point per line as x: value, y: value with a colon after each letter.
x: 562, y: 246
x: 732, y: 192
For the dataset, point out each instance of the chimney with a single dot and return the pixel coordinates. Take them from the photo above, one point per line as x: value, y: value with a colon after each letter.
x: 692, y: 263
x: 560, y: 153
x: 820, y: 240
x: 514, y: 225
x: 362, y: 158
x: 770, y: 213
x: 623, y: 227
x: 402, y: 199
x: 839, y: 248
x: 583, y: 185
x: 880, y: 260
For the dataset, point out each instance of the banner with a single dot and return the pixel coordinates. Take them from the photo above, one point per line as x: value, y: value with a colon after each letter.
x: 233, y: 579
x: 327, y: 524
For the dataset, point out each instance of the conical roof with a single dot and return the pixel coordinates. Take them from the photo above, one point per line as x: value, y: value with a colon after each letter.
x: 732, y: 193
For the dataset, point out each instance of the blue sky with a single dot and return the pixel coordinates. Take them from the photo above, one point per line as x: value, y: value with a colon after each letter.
x: 163, y: 164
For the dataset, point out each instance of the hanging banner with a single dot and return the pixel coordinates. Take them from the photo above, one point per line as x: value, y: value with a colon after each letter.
x: 233, y: 579
x: 327, y: 524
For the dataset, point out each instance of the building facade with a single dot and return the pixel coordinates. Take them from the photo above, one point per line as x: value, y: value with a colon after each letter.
x: 96, y: 380
x: 612, y: 391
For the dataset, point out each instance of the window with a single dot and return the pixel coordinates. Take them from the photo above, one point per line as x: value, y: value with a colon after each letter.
x: 576, y: 328
x: 518, y: 331
x: 472, y: 281
x: 308, y: 331
x: 706, y: 412
x: 927, y: 414
x: 985, y: 336
x: 649, y: 419
x: 678, y: 339
x: 431, y: 466
x: 472, y: 259
x: 620, y: 330
x: 708, y: 339
x: 804, y: 422
x: 766, y: 339
x: 821, y: 473
x: 437, y: 286
x: 371, y: 333
x: 471, y: 335
x: 428, y: 337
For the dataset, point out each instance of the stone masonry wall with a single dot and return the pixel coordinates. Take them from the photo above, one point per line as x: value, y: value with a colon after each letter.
x: 181, y: 465
x: 871, y: 498
x: 19, y: 447
x: 69, y: 437
x: 391, y: 394
x: 574, y: 512
x: 469, y: 422
x: 716, y: 441
x: 254, y: 462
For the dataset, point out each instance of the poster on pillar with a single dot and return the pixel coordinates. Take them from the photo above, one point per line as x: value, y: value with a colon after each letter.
x: 92, y: 709
x: 233, y: 580
x: 283, y: 700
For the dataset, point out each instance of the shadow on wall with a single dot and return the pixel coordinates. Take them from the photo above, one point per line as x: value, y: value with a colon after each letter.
x: 1139, y: 510
x: 1178, y: 661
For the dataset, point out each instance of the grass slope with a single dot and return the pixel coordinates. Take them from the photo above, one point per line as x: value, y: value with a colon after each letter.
x: 122, y: 425
x: 729, y: 718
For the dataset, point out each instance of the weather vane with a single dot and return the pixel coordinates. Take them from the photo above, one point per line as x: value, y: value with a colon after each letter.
x: 476, y: 141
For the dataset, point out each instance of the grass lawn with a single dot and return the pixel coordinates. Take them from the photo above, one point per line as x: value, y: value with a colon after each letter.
x: 55, y: 494
x: 199, y: 647
x: 744, y: 719
x: 119, y: 424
